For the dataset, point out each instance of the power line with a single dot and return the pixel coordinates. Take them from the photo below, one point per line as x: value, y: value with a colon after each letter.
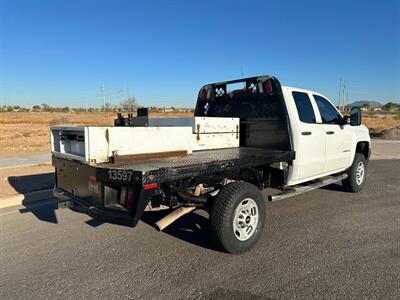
x: 103, y: 93
x: 343, y: 99
x: 343, y: 93
x: 121, y: 97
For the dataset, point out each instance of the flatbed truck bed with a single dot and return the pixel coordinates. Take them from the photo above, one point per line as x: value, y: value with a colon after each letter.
x: 100, y: 191
x: 199, y: 163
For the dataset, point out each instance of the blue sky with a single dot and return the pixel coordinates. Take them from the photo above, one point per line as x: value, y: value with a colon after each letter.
x: 162, y: 52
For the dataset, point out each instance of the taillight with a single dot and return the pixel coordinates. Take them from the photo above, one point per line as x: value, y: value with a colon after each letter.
x: 129, y: 198
x: 268, y: 87
x: 126, y: 197
x: 203, y: 93
x: 122, y: 196
x: 150, y: 186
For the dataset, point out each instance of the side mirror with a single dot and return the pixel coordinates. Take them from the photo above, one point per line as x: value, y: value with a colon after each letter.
x: 346, y: 120
x: 355, y: 116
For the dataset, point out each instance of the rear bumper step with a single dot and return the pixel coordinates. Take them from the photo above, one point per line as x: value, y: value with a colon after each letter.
x: 303, y: 189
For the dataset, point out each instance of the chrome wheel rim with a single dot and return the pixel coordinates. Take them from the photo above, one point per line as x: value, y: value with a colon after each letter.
x: 360, y: 173
x: 246, y: 219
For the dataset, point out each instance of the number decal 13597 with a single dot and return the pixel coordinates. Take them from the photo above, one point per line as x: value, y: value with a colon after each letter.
x: 119, y: 175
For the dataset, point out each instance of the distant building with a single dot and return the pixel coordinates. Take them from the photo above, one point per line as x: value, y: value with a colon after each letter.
x: 377, y: 109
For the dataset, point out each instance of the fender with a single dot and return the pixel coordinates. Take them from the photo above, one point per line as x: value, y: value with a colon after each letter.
x: 360, y: 137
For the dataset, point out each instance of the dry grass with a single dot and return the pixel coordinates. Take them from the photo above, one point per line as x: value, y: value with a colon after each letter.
x: 379, y: 122
x: 28, y: 132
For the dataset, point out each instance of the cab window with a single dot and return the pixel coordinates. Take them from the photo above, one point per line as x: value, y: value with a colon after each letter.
x: 304, y: 107
x: 329, y: 114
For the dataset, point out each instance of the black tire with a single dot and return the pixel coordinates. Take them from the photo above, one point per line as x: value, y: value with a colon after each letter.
x: 223, y: 213
x: 353, y: 183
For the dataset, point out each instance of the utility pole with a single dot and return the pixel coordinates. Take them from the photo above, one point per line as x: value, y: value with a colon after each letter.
x: 344, y: 87
x: 347, y: 92
x: 103, y: 93
x: 121, y: 97
x: 340, y: 90
x: 84, y: 99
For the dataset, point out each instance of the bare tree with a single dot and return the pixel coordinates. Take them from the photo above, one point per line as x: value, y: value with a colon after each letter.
x: 129, y: 104
x: 45, y: 107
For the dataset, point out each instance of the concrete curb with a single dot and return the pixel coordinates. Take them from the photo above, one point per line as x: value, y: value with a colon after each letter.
x: 384, y: 157
x: 27, y: 165
x: 27, y: 198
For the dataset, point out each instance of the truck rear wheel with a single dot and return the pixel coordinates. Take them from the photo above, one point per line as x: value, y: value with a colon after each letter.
x: 357, y: 174
x: 237, y: 217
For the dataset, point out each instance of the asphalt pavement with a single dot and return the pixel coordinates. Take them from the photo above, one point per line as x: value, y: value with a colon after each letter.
x: 324, y: 244
x: 385, y: 149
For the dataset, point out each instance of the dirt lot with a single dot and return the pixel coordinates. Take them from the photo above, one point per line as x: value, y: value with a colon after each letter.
x: 22, y: 132
x: 27, y: 179
x: 380, y: 122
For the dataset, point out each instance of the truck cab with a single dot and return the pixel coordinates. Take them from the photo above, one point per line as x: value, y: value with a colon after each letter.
x: 325, y: 141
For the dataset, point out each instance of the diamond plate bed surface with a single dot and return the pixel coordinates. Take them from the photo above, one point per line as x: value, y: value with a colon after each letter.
x: 240, y: 155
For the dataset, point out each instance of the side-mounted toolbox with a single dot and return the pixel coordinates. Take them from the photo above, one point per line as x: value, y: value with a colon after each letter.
x: 169, y: 136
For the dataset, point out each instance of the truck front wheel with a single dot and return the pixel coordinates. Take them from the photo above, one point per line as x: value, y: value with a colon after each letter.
x: 237, y: 217
x: 357, y: 174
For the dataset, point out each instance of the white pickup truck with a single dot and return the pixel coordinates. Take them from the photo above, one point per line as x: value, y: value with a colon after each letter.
x: 240, y: 141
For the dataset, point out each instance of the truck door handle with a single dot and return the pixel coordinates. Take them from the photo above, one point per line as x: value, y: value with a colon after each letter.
x: 330, y: 132
x: 306, y: 133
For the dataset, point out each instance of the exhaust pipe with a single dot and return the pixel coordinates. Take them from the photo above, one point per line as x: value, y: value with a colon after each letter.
x: 173, y: 216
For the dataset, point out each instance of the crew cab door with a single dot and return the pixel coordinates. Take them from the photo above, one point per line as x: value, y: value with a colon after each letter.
x: 310, y: 151
x: 338, y: 136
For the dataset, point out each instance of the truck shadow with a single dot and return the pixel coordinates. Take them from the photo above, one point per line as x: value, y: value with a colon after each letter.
x: 27, y: 185
x: 336, y: 187
x: 31, y: 183
x: 192, y: 228
x: 45, y: 213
